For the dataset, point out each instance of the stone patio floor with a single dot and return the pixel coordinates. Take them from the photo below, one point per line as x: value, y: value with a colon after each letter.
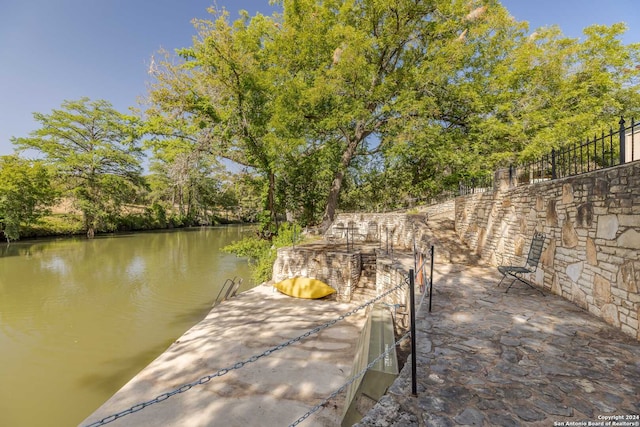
x: 490, y: 358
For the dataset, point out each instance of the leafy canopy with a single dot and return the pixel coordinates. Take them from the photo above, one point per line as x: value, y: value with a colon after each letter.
x: 95, y: 152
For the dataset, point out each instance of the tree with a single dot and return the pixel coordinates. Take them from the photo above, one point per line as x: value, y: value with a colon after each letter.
x: 551, y: 91
x: 218, y: 96
x: 440, y: 89
x: 367, y: 74
x: 95, y: 153
x: 186, y: 178
x: 25, y: 194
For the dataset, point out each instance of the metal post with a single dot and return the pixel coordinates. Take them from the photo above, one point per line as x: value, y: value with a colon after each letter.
x: 510, y: 176
x: 595, y: 154
x: 633, y: 142
x: 622, y: 141
x: 554, y: 174
x: 412, y: 313
x: 604, y: 160
x: 431, y: 278
x: 589, y: 154
x: 293, y: 239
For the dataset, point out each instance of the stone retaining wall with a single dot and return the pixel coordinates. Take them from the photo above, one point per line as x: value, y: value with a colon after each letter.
x: 592, y: 224
x: 340, y: 269
x: 390, y: 274
x: 393, y: 231
x: 443, y: 208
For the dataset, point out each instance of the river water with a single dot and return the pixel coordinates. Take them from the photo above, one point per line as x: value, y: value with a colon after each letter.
x: 79, y: 318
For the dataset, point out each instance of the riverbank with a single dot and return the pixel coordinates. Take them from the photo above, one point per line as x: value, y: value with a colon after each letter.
x: 61, y: 225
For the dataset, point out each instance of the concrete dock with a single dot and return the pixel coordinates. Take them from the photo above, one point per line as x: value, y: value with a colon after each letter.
x: 275, y: 390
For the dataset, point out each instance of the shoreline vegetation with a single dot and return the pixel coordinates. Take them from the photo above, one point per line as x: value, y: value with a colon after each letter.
x: 260, y: 249
x: 69, y: 225
x: 61, y: 225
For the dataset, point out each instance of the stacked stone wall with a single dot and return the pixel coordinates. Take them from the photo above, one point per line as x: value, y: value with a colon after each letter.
x: 592, y: 224
x: 340, y: 270
x: 389, y: 274
x: 392, y: 231
x: 443, y: 208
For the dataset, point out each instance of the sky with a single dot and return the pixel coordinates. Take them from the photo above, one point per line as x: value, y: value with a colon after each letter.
x: 51, y: 51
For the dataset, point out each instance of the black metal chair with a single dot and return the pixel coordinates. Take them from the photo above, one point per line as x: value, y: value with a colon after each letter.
x: 533, y: 259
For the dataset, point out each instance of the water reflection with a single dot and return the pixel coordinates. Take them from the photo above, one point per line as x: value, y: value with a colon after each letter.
x: 79, y: 318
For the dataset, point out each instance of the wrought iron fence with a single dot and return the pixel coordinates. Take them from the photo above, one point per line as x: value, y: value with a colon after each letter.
x: 475, y: 185
x: 604, y: 151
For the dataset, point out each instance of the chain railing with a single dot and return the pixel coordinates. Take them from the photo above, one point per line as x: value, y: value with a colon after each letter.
x: 221, y: 372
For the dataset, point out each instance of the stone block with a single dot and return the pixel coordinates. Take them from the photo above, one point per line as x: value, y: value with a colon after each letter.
x: 584, y: 215
x: 629, y: 220
x: 592, y: 258
x: 518, y: 245
x: 523, y: 225
x: 549, y: 254
x: 567, y: 193
x: 569, y: 235
x: 604, y: 265
x: 628, y: 330
x: 579, y: 297
x: 607, y: 227
x: 575, y: 270
x: 629, y: 276
x: 629, y: 239
x: 600, y: 210
x: 618, y: 296
x: 601, y: 187
x: 555, y: 285
x: 601, y: 291
x: 552, y: 214
x: 610, y: 315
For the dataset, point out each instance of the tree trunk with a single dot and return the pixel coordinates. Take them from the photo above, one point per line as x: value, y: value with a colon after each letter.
x: 89, y: 223
x: 271, y: 196
x: 332, y: 199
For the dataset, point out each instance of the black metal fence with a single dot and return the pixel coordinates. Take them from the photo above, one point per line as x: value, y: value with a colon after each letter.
x: 604, y: 151
x: 475, y: 185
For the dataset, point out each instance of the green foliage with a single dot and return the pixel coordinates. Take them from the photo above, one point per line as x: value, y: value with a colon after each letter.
x: 55, y: 225
x: 94, y: 151
x: 262, y: 252
x: 551, y: 91
x: 219, y: 96
x: 159, y: 215
x: 25, y: 194
x: 261, y: 256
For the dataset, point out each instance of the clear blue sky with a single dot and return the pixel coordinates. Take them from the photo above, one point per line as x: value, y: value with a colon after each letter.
x: 56, y: 50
